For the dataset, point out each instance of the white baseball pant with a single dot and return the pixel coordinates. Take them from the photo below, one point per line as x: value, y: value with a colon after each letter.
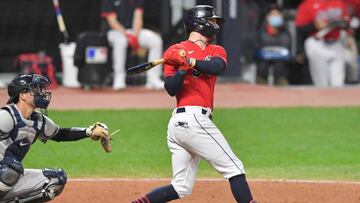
x: 32, y: 180
x: 192, y: 136
x: 326, y: 62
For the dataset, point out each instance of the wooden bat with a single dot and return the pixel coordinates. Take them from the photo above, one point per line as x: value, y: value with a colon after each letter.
x: 144, y: 67
x: 60, y: 21
x: 147, y: 66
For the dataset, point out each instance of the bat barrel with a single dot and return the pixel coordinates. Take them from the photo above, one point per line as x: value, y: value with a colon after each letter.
x: 144, y: 67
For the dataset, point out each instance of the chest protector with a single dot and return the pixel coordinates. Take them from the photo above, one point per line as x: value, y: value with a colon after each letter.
x: 18, y: 141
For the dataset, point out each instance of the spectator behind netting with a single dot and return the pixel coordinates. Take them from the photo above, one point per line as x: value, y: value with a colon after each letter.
x: 274, y: 34
x: 320, y: 22
x: 124, y: 26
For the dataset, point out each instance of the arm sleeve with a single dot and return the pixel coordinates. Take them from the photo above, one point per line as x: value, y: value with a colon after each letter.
x: 107, y: 8
x: 215, y: 66
x: 173, y: 84
x: 140, y: 4
x: 69, y: 134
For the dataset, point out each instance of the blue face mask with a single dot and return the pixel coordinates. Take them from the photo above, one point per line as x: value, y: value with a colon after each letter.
x: 275, y: 21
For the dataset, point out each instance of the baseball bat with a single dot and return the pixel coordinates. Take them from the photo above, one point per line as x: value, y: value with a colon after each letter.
x: 144, y: 67
x: 147, y: 66
x: 60, y: 21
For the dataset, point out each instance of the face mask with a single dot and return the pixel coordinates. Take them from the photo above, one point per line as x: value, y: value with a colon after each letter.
x: 42, y: 100
x: 275, y: 21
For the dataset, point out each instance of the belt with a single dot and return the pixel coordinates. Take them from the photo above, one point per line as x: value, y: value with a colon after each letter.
x: 183, y: 110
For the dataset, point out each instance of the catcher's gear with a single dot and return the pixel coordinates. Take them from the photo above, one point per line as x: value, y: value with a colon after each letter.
x: 100, y: 131
x: 51, y: 188
x: 197, y: 19
x: 35, y: 84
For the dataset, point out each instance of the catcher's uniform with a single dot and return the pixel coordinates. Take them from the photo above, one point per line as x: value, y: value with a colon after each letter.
x: 17, y: 134
x: 192, y: 135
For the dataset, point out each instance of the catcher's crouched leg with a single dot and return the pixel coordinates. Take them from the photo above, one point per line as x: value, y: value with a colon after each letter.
x: 52, y: 187
x: 56, y: 183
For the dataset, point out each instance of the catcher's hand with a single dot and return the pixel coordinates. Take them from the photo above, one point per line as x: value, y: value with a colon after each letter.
x: 100, y: 131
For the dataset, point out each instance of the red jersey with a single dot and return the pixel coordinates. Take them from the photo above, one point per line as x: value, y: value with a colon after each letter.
x: 310, y: 11
x: 198, y: 88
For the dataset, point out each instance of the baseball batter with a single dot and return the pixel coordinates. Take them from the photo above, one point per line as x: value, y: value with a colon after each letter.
x: 20, y: 126
x: 190, y: 74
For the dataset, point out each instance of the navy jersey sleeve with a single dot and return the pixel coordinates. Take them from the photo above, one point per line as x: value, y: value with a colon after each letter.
x: 140, y: 4
x: 106, y: 8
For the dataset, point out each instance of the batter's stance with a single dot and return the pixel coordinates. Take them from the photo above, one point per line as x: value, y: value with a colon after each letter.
x: 20, y: 126
x: 190, y: 74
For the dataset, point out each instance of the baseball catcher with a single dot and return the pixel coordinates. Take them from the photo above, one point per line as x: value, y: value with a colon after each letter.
x: 20, y: 127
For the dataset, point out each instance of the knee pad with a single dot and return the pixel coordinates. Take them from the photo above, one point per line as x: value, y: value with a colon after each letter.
x: 10, y: 171
x: 8, y: 176
x: 52, y: 187
x: 56, y: 182
x: 55, y: 173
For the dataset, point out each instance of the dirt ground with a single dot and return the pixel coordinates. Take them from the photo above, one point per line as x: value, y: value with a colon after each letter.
x: 213, y: 191
x: 216, y: 191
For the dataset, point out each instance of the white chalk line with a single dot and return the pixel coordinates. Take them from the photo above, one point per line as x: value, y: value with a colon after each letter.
x: 212, y: 180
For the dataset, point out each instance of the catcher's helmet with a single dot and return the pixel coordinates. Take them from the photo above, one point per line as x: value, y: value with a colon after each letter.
x: 197, y: 19
x: 35, y: 84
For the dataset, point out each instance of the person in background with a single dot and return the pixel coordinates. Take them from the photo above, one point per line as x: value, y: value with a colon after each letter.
x: 124, y: 26
x: 320, y: 22
x: 274, y: 34
x: 351, y: 48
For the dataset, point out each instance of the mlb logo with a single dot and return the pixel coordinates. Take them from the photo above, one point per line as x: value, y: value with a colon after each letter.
x: 96, y: 55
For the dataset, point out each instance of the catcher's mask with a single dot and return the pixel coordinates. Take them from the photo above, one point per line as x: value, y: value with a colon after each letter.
x: 35, y: 84
x: 197, y: 19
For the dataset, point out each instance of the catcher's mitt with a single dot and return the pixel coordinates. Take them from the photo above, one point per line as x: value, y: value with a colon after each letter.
x: 100, y: 131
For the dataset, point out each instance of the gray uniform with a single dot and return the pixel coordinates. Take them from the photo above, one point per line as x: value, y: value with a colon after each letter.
x: 17, y: 134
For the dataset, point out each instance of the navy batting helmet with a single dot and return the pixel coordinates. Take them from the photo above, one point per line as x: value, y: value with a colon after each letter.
x: 35, y: 84
x: 197, y: 19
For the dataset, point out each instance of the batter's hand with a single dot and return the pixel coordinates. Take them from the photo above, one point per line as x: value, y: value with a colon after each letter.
x: 178, y: 57
x: 100, y: 131
x: 133, y: 41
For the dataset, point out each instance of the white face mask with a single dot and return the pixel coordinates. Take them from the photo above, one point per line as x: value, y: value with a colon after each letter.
x: 275, y: 21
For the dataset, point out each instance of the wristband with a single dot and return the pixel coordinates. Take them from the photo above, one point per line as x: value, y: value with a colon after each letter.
x: 192, y: 62
x: 182, y: 72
